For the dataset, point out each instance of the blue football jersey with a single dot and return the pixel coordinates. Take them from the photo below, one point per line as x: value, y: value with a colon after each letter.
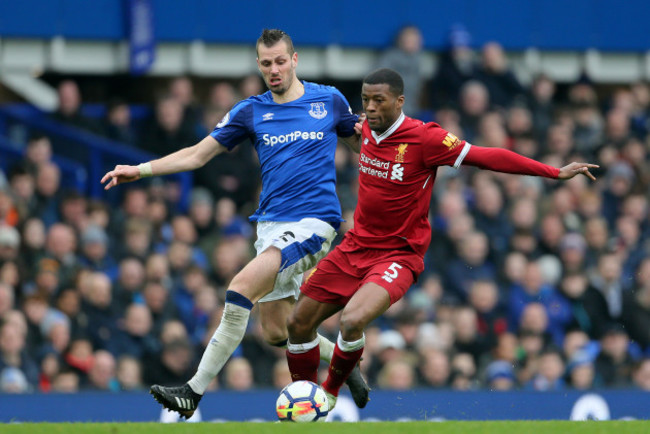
x: 295, y: 142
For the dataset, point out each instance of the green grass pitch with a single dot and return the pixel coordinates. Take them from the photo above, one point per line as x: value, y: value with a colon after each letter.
x: 512, y: 427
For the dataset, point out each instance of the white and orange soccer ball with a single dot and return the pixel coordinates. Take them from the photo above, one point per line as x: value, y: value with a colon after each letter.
x: 302, y: 401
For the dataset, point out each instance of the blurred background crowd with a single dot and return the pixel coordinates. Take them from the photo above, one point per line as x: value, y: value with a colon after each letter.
x: 529, y: 284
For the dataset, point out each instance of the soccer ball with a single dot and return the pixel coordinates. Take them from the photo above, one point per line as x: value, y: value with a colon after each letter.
x: 302, y: 401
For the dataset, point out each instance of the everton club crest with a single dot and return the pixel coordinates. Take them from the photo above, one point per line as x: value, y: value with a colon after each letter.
x: 317, y: 110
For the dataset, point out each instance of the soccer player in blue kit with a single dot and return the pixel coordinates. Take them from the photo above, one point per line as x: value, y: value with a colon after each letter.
x: 294, y: 127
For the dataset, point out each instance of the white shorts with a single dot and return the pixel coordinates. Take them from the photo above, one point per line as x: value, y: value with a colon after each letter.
x: 302, y: 245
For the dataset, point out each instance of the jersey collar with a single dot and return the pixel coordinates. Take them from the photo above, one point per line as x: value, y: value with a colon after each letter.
x: 391, y: 130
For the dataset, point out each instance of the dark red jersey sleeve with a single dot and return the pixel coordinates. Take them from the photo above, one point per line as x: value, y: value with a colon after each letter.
x: 442, y: 148
x: 503, y: 160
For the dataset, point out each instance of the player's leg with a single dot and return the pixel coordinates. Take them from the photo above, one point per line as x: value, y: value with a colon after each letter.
x: 370, y: 301
x: 327, y: 289
x: 303, y: 350
x: 273, y: 319
x: 274, y: 314
x: 247, y: 287
x: 385, y: 283
x: 302, y: 245
x: 284, y: 250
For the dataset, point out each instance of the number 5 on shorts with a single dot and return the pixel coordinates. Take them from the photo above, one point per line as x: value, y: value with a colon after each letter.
x: 392, y: 272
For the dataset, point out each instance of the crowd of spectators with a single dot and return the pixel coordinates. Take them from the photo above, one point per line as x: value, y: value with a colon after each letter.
x: 529, y: 283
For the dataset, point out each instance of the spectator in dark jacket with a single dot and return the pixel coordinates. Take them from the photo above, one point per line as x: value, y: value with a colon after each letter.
x: 456, y: 67
x: 636, y: 307
x: 615, y: 361
x: 502, y: 84
x: 69, y: 110
x: 167, y: 133
x: 135, y: 337
x: 118, y: 124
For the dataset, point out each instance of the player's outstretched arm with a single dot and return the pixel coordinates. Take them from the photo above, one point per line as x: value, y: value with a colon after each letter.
x: 573, y: 169
x: 503, y: 160
x: 189, y: 158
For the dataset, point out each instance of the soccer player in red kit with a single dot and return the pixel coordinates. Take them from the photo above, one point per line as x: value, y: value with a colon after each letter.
x: 382, y: 255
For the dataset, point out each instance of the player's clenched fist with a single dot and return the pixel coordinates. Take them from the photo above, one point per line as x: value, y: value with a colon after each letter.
x: 120, y: 175
x: 359, y: 125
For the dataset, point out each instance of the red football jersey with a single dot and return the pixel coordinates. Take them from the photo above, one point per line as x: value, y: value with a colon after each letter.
x: 397, y: 170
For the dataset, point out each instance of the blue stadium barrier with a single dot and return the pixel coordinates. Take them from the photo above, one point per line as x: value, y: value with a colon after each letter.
x: 385, y: 405
x: 97, y: 154
x: 544, y: 24
x: 138, y: 112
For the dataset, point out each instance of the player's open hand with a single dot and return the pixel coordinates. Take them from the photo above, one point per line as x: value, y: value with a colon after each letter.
x: 573, y: 169
x: 120, y: 175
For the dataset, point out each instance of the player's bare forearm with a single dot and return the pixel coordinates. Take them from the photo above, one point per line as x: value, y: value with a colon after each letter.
x: 353, y: 142
x: 189, y: 158
x: 185, y: 159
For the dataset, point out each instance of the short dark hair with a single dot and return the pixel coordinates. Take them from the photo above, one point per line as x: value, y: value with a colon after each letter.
x: 37, y: 136
x: 114, y: 103
x: 386, y: 76
x: 18, y: 169
x: 270, y: 37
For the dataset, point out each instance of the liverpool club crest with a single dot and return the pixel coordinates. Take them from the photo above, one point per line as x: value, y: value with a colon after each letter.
x: 317, y: 110
x: 401, y: 150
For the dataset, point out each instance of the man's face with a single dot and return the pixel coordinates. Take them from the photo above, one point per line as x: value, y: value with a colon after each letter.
x: 382, y: 107
x: 277, y: 66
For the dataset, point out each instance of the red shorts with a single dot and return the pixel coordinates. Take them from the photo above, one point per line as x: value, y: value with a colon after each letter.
x: 345, y: 269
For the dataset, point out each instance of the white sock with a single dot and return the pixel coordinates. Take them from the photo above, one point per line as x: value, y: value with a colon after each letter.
x: 349, y: 347
x: 303, y: 348
x: 326, y: 349
x: 223, y: 343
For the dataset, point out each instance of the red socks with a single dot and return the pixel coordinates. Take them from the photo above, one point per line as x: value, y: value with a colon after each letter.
x: 304, y: 366
x: 340, y: 368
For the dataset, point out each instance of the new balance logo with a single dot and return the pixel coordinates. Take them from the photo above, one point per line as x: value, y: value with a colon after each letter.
x: 267, y: 116
x: 397, y: 173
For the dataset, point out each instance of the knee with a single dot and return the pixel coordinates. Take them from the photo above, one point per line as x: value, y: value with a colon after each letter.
x: 274, y: 334
x: 299, y: 331
x: 352, y: 326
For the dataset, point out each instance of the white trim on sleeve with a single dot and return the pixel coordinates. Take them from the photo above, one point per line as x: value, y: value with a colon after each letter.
x: 462, y: 155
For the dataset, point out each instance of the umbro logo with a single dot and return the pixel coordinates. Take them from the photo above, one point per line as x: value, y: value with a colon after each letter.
x: 365, y: 142
x: 267, y: 116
